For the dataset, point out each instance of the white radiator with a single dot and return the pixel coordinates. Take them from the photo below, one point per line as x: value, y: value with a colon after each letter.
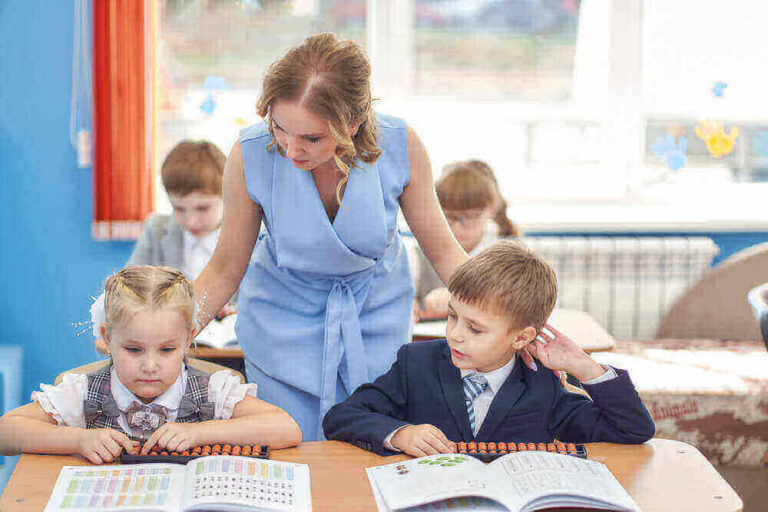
x: 626, y: 283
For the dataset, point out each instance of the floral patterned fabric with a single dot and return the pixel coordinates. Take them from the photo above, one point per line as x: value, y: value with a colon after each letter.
x: 711, y: 394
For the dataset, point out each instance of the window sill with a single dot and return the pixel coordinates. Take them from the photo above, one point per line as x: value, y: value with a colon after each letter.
x: 668, y: 208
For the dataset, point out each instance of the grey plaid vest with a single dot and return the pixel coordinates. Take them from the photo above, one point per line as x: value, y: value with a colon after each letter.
x: 100, y: 390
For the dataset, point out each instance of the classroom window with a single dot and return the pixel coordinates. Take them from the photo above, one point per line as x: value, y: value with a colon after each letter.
x: 570, y: 99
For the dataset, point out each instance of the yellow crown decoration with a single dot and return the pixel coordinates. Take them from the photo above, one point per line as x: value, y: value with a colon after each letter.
x: 718, y: 142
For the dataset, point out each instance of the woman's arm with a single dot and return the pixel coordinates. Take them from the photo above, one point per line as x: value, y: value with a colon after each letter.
x: 239, y: 230
x: 424, y: 215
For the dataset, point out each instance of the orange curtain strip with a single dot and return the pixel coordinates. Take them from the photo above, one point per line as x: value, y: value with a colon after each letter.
x: 123, y: 128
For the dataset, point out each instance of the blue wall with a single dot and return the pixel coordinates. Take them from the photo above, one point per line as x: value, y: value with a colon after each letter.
x: 49, y: 263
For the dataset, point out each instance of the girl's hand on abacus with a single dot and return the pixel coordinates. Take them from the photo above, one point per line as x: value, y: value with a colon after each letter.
x: 173, y: 437
x: 421, y: 440
x: 103, y: 444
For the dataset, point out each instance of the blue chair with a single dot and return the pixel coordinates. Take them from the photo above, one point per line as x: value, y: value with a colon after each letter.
x: 758, y: 299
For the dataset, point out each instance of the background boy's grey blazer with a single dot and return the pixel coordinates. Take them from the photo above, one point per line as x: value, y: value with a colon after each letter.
x: 161, y: 243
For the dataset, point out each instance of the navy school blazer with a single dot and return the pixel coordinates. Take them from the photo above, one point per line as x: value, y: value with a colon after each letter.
x: 423, y: 386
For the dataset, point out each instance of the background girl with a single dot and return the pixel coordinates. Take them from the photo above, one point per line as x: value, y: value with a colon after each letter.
x: 477, y: 214
x: 146, y: 392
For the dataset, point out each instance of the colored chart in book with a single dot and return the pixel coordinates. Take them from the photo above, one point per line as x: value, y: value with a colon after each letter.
x: 126, y: 487
x: 262, y: 482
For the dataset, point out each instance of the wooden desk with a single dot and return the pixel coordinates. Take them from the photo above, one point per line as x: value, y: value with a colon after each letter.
x: 660, y: 475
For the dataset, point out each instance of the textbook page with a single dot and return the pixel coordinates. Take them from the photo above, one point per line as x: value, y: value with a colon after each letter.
x: 433, y: 478
x: 219, y: 333
x: 232, y: 483
x: 473, y: 503
x: 139, y: 487
x: 542, y: 480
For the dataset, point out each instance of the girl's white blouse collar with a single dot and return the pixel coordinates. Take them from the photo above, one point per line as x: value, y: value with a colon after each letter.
x: 170, y: 399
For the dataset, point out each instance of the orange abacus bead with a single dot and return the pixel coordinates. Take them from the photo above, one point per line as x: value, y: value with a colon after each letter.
x: 492, y: 451
x: 481, y: 446
x: 501, y: 446
x: 153, y: 453
x: 216, y: 449
x: 481, y: 451
x: 532, y: 446
x: 541, y: 447
x: 551, y: 447
x: 511, y: 447
x: 472, y: 451
x: 571, y: 447
x: 246, y: 450
x: 491, y: 445
x: 226, y: 448
x: 522, y: 447
x: 462, y: 446
x: 236, y: 450
x: 472, y: 446
x: 185, y: 452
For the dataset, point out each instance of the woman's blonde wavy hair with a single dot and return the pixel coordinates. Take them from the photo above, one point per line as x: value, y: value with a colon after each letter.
x: 331, y: 77
x: 138, y: 288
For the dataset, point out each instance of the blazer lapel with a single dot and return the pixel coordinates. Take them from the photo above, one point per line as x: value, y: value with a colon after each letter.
x: 504, y: 401
x: 453, y: 390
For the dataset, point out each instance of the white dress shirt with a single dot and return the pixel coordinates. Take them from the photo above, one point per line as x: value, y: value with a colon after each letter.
x: 197, y: 252
x: 496, y: 379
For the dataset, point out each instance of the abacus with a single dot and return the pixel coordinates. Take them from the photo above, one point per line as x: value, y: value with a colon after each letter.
x: 256, y: 451
x: 487, y: 452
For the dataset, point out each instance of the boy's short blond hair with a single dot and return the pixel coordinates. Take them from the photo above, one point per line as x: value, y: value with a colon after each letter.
x: 194, y: 166
x: 508, y: 280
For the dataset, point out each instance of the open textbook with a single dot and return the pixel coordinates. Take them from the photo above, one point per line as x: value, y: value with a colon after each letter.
x: 218, y: 333
x: 225, y: 483
x: 521, y: 481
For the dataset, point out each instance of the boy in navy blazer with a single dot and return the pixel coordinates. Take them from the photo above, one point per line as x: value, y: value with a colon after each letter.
x: 474, y: 385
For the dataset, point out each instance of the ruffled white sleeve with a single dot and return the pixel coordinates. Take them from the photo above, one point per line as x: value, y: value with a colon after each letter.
x: 65, y: 401
x: 225, y: 391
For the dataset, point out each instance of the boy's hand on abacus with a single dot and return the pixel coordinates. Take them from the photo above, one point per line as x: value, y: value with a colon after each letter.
x: 421, y: 440
x: 173, y: 437
x: 104, y: 444
x: 558, y: 352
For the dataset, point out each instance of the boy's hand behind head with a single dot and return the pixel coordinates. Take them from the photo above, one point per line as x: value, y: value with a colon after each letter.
x: 421, y: 440
x: 557, y: 351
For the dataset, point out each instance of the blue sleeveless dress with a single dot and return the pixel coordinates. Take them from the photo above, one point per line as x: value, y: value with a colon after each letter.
x: 324, y: 306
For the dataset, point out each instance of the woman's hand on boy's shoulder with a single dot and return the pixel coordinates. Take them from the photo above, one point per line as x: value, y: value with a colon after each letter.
x: 558, y: 352
x: 173, y: 437
x: 102, y: 445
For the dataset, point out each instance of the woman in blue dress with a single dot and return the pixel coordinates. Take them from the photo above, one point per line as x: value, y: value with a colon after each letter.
x: 327, y: 295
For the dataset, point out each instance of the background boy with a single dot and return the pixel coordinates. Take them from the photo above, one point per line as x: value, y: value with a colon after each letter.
x: 472, y: 387
x: 192, y: 176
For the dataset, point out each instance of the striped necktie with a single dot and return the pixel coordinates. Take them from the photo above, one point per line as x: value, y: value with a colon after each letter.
x: 474, y: 384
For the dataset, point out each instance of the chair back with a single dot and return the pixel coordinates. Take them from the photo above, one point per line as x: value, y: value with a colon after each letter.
x: 200, y: 364
x: 714, y: 308
x: 758, y: 299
